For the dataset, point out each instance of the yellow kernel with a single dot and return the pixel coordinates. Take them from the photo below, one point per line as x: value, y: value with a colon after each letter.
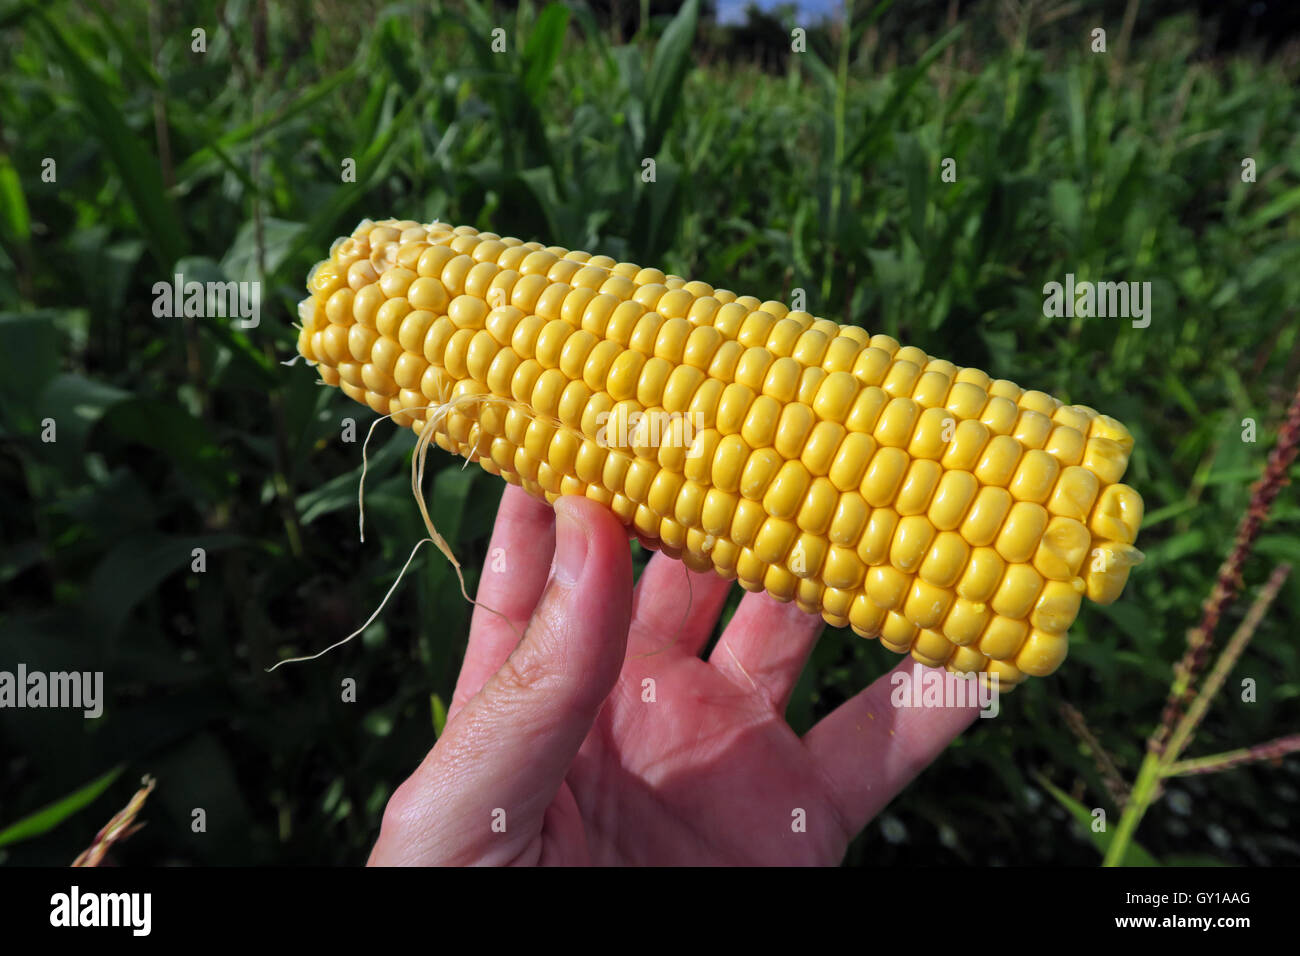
x: 1066, y: 445
x: 901, y: 378
x: 759, y: 429
x: 747, y: 521
x: 975, y: 377
x: 866, y: 410
x: 984, y: 519
x: 966, y: 621
x: 818, y: 453
x: 1003, y: 637
x: 1035, y: 477
x: 1042, y: 653
x: 1103, y: 426
x: 952, y: 499
x: 752, y: 368
x: 1117, y: 515
x: 1017, y: 592
x: 946, y: 560
x: 918, y: 487
x: 843, y: 569
x: 384, y: 354
x: 1075, y: 492
x: 969, y: 439
x: 781, y: 380
x: 836, y: 396
x: 865, y: 616
x: 807, y: 556
x: 935, y: 428
x: 896, y: 423
x: 887, y: 586
x: 787, y: 490
x: 725, y: 361
x: 775, y: 539
x: 1058, y: 605
x: 878, y: 536
x: 733, y: 408
x: 1108, y: 569
x: 818, y: 507
x: 966, y: 401
x: 884, y: 475
x: 871, y: 366
x: 999, y: 461
x: 1064, y: 547
x: 366, y: 304
x: 759, y: 473
x: 432, y: 261
x: 1105, y: 458
x: 968, y: 663
x: 728, y: 461
x: 983, y: 571
x: 338, y: 308
x: 1023, y: 529
x: 793, y: 429
x: 911, y: 542
x: 360, y: 341
x: 1000, y: 415
x: 849, y: 520
x: 841, y: 354
x: 851, y: 461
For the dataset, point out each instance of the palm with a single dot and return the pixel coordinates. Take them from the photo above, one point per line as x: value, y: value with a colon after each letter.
x: 644, y: 752
x: 706, y: 773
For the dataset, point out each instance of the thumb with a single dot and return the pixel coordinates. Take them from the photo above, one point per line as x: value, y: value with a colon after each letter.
x: 511, y: 746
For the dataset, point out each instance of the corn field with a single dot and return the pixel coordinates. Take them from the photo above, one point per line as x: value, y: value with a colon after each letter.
x: 195, y: 520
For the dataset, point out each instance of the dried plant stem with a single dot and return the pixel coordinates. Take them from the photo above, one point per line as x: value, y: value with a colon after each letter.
x: 1110, y: 774
x: 117, y: 829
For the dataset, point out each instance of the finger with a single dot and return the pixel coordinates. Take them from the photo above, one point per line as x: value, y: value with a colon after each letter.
x: 503, y: 758
x: 874, y: 744
x: 674, y: 608
x: 514, y: 574
x: 766, y: 645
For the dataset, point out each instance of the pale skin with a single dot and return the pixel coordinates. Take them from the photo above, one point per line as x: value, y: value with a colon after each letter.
x: 554, y: 737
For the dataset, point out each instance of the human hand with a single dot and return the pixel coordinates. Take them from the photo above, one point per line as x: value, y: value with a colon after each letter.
x: 553, y: 755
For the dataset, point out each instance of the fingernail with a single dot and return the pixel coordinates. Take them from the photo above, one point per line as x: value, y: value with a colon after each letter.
x: 570, y: 545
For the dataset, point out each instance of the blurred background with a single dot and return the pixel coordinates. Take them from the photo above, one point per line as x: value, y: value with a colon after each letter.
x: 128, y: 154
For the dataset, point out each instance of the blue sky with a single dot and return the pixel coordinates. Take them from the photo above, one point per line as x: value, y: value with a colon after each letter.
x: 733, y: 11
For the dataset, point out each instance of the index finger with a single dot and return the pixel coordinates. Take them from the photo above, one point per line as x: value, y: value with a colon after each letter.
x: 514, y: 575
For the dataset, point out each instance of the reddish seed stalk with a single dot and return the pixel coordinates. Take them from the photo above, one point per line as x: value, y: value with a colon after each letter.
x: 1269, y: 750
x: 1228, y: 582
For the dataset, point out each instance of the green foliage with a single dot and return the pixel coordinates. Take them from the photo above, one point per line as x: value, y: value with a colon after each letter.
x: 175, y: 434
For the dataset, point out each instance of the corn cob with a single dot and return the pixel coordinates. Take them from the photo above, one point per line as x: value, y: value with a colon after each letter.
x: 951, y: 515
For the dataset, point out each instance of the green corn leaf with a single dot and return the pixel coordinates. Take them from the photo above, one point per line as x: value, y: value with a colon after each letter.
x: 668, y: 72
x: 543, y: 49
x: 1135, y: 855
x: 49, y: 817
x: 135, y: 164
